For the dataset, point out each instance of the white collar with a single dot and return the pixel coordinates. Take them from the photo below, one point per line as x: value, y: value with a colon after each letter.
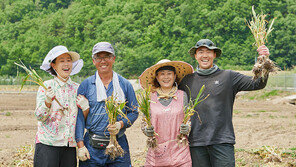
x: 61, y: 83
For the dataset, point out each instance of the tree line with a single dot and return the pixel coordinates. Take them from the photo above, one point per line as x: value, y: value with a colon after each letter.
x: 142, y: 32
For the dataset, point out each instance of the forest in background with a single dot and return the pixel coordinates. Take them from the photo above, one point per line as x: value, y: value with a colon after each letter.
x: 142, y: 32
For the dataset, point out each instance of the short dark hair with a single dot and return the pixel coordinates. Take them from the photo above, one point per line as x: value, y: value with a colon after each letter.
x: 171, y: 68
x: 51, y: 70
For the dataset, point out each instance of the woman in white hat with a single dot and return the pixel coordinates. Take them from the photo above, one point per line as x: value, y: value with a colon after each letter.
x: 56, y: 110
x: 167, y: 113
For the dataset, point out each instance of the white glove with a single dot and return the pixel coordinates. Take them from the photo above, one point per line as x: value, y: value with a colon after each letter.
x: 83, y: 154
x: 49, y: 95
x: 114, y: 129
x: 82, y: 102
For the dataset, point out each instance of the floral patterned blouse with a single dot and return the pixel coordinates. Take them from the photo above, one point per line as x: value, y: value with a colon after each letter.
x: 56, y: 127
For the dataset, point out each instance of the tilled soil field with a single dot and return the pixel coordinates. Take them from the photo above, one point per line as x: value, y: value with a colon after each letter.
x: 265, y: 129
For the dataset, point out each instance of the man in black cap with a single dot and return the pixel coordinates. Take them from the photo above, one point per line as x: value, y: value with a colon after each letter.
x: 212, y: 141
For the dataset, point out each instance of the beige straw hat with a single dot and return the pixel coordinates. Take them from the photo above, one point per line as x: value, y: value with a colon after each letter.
x: 148, y: 76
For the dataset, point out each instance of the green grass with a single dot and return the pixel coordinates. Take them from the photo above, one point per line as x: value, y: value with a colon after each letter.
x: 265, y: 94
x: 270, y: 93
x: 290, y: 152
x: 248, y: 116
x: 251, y: 97
x: 241, y: 161
x: 261, y: 111
x: 236, y: 111
x: 239, y: 150
x: 8, y: 114
x: 272, y: 117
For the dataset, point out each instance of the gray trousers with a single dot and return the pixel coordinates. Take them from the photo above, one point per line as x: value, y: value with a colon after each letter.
x: 218, y: 155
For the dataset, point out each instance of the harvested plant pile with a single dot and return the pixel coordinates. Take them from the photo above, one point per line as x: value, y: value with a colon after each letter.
x: 114, y: 109
x: 270, y: 154
x: 24, y: 156
x: 258, y: 27
x: 144, y: 107
x: 34, y: 77
x: 188, y: 112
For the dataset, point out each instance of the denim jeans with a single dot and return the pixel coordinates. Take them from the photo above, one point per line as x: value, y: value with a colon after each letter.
x: 217, y: 155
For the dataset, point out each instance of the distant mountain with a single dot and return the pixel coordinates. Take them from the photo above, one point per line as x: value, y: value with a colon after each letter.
x: 142, y: 32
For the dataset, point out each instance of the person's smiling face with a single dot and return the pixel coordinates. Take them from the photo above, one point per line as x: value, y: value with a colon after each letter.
x: 166, y: 78
x: 103, y: 62
x: 63, y: 65
x: 205, y: 57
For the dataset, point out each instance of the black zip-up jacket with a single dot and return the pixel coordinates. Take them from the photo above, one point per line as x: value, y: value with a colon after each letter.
x: 216, y: 111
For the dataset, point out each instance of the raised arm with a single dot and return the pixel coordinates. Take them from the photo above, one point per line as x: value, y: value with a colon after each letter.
x: 42, y: 111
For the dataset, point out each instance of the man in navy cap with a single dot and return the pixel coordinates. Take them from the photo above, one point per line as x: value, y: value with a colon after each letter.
x: 212, y: 141
x: 92, y: 115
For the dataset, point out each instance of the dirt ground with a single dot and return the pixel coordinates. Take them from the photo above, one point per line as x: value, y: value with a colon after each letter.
x: 259, y: 120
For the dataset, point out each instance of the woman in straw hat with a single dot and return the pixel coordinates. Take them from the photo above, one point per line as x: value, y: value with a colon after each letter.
x: 56, y: 110
x: 167, y: 113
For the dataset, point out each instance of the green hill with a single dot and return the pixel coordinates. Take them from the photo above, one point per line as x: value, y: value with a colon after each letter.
x: 142, y: 32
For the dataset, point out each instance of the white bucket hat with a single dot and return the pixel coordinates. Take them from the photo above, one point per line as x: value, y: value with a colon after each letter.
x: 147, y: 77
x: 56, y: 52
